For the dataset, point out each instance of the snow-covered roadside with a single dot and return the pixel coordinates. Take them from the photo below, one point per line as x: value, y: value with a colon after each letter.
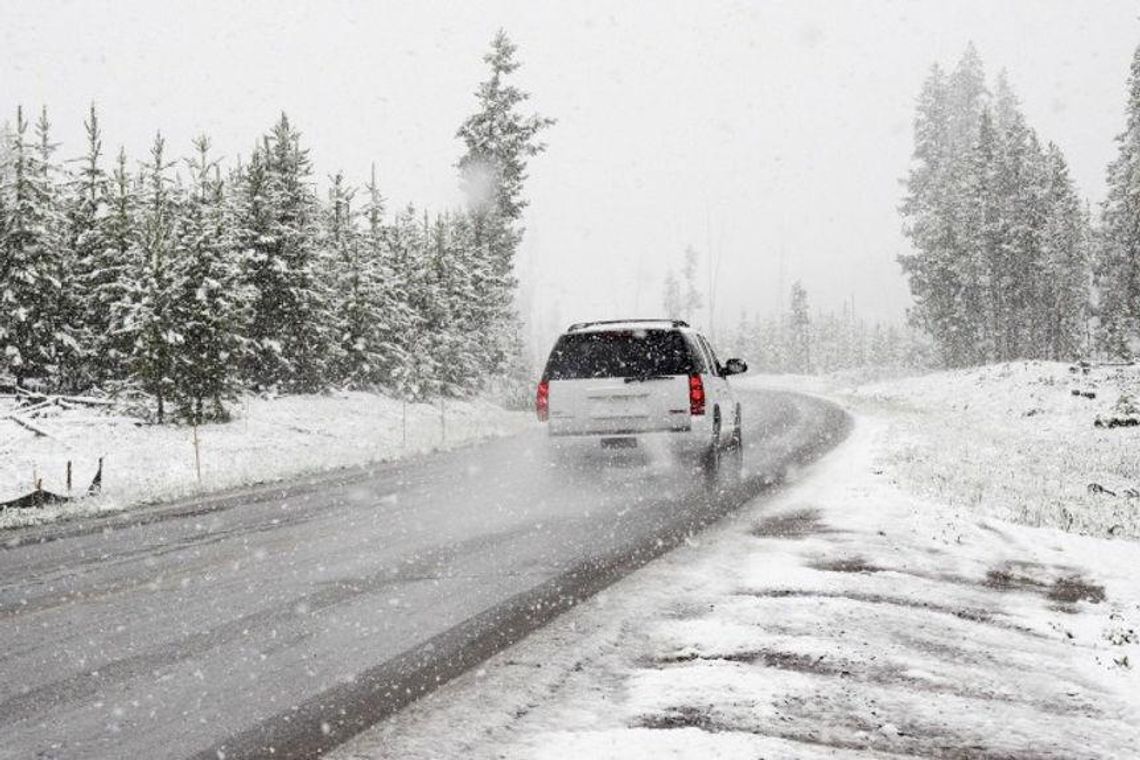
x: 847, y: 617
x: 269, y: 439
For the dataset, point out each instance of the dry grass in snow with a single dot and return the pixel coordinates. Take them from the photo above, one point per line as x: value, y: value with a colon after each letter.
x: 1020, y: 442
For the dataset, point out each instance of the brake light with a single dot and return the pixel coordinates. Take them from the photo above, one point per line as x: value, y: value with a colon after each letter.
x: 542, y: 401
x: 696, y: 395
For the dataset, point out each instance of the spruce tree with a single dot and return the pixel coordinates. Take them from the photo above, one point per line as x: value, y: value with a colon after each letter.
x: 992, y: 221
x: 1118, y: 266
x: 34, y: 337
x: 387, y: 299
x: 799, y: 331
x: 672, y: 299
x: 407, y: 240
x: 116, y: 286
x: 1065, y: 274
x: 278, y: 234
x: 363, y: 352
x: 149, y: 317
x: 206, y: 298
x: 499, y: 141
x: 99, y: 265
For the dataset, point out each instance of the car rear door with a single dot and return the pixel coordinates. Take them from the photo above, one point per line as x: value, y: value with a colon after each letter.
x: 619, y: 382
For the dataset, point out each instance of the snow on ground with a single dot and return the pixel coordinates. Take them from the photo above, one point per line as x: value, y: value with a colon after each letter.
x: 1019, y: 441
x: 859, y: 613
x: 269, y: 439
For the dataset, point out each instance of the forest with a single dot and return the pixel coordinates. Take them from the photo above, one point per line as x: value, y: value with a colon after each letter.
x: 1008, y: 261
x: 183, y: 282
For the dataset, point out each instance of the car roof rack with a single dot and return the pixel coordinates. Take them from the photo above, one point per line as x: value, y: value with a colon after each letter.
x: 583, y: 325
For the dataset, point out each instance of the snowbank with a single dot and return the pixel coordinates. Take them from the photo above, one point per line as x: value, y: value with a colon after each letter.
x: 269, y: 439
x: 850, y: 616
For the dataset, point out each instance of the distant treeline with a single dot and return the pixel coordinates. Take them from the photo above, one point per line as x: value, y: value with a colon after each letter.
x: 804, y: 342
x: 191, y: 285
x: 1007, y: 262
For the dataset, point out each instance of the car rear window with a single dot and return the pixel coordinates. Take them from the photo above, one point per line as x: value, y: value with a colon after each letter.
x: 619, y: 353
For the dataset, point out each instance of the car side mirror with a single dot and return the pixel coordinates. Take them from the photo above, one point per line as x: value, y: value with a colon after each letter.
x: 735, y: 367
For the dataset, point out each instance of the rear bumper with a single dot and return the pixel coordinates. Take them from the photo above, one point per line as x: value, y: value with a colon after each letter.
x: 694, y: 437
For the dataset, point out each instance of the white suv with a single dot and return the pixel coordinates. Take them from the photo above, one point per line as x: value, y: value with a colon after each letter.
x: 623, y: 382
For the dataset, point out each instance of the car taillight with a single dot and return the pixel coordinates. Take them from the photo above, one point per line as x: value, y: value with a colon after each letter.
x: 542, y: 401
x: 696, y: 395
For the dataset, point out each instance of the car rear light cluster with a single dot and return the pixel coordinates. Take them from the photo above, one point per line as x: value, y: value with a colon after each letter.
x: 542, y: 401
x: 696, y: 395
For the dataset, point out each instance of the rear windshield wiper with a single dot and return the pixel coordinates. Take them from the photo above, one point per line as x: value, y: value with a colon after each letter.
x: 643, y: 378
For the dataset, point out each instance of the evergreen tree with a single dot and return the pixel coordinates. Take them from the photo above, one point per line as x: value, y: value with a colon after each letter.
x: 1065, y: 274
x: 499, y: 140
x: 150, y: 319
x: 414, y: 378
x: 931, y: 268
x: 206, y: 299
x: 1118, y: 266
x: 278, y: 234
x: 116, y: 287
x: 364, y: 351
x: 691, y: 298
x: 995, y: 226
x: 674, y: 302
x: 65, y: 311
x: 34, y: 336
x: 386, y: 296
x: 99, y: 265
x: 799, y: 331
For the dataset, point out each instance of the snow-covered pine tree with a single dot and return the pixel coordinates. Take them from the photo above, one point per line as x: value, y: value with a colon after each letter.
x: 363, y: 350
x: 1064, y: 265
x: 455, y: 351
x: 149, y: 317
x: 33, y: 336
x: 207, y: 301
x: 932, y: 268
x: 672, y: 299
x: 1023, y: 180
x: 121, y: 264
x: 1118, y: 264
x: 99, y: 264
x: 277, y: 216
x: 981, y: 263
x: 251, y: 218
x: 981, y: 202
x: 799, y: 331
x: 463, y: 295
x: 393, y: 316
x: 66, y: 311
x: 499, y: 140
x: 691, y: 297
x: 414, y: 378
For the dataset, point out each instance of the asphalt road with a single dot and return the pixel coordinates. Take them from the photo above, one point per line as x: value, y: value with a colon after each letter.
x: 281, y: 621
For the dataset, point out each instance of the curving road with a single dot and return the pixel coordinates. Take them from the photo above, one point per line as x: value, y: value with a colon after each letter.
x: 280, y: 621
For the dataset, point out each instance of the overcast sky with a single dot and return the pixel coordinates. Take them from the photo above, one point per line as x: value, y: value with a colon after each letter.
x: 761, y: 132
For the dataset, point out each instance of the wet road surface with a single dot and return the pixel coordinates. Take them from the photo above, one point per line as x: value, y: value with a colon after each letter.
x: 280, y: 621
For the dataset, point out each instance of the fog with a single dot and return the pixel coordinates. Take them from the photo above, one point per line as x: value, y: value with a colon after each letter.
x: 769, y: 136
